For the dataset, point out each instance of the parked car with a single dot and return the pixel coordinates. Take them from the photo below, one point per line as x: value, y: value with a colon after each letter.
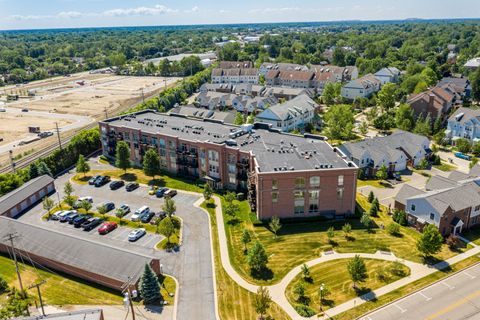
x: 397, y: 176
x: 161, y: 192
x: 56, y: 215
x: 109, y: 206
x: 79, y: 201
x: 103, y: 180
x: 131, y: 186
x: 24, y: 110
x: 138, y: 214
x: 91, y: 224
x: 125, y: 208
x: 65, y: 217
x: 93, y: 179
x: 170, y: 193
x: 462, y: 155
x: 107, y: 227
x: 136, y: 234
x: 147, y: 217
x: 159, y: 216
x: 72, y: 217
x: 153, y: 190
x: 3, y: 110
x: 81, y: 219
x: 117, y: 184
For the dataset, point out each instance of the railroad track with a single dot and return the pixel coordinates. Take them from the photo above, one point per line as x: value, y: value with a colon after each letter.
x: 65, y: 139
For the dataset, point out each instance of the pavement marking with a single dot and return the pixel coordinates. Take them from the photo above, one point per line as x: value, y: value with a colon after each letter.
x: 469, y: 275
x: 400, y: 308
x: 454, y: 305
x: 447, y: 285
x: 424, y: 295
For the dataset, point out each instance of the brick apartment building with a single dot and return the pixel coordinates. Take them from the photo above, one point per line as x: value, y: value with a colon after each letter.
x: 283, y: 175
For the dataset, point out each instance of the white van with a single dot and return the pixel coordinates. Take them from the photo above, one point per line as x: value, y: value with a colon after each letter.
x: 137, y: 215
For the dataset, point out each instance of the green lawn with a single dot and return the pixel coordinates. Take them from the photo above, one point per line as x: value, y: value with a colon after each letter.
x: 405, y: 290
x: 334, y: 275
x: 300, y: 242
x: 58, y: 290
x: 373, y: 183
x: 473, y: 235
x: 174, y: 238
x: 167, y: 286
x: 234, y: 302
x: 445, y: 166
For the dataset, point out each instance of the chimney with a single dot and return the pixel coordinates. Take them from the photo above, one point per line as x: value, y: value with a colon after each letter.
x: 431, y: 98
x: 155, y: 265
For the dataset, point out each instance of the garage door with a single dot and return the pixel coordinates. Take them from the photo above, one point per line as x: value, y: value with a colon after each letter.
x: 50, y: 188
x: 13, y: 212
x: 33, y: 199
x: 23, y: 205
x: 42, y: 193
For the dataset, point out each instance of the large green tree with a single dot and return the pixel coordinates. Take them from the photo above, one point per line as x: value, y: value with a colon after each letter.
x: 386, y: 96
x: 257, y: 257
x: 357, y: 269
x: 339, y: 122
x: 149, y: 286
x: 404, y: 117
x: 122, y: 155
x: 430, y: 242
x: 151, y: 163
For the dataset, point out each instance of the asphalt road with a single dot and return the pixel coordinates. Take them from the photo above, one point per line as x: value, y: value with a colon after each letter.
x: 191, y: 265
x: 454, y: 298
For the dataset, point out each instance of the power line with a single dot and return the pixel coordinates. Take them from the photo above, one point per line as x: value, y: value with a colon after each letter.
x: 58, y: 135
x: 37, y: 285
x: 126, y: 287
x: 11, y: 237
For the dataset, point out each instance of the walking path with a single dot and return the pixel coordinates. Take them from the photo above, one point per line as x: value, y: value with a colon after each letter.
x: 277, y: 291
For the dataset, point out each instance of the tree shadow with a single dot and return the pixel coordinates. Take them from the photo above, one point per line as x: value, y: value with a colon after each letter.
x: 158, y: 182
x: 327, y: 302
x: 263, y: 274
x: 234, y: 221
x: 211, y: 205
x: 350, y: 238
x: 333, y: 243
x: 129, y: 177
x: 360, y: 291
x: 431, y: 260
x: 304, y: 300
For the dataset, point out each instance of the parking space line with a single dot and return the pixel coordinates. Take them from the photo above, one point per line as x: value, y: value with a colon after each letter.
x: 424, y: 295
x: 447, y: 285
x: 400, y: 308
x: 469, y: 275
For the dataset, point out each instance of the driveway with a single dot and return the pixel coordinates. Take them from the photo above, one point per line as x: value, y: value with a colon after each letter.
x: 462, y: 165
x: 191, y: 265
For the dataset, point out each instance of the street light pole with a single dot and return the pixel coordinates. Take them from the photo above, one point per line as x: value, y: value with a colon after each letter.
x: 322, y: 287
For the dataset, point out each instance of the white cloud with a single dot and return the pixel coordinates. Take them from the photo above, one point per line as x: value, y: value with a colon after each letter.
x: 30, y: 17
x: 140, y: 11
x: 274, y: 10
x: 195, y: 9
x: 69, y: 15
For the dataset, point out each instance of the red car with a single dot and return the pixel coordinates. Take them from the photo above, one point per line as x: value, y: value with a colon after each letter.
x: 107, y: 227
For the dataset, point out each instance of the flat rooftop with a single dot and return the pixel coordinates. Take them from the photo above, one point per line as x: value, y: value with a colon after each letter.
x: 274, y: 151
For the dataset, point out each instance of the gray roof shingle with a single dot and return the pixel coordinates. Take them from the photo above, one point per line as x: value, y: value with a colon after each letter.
x: 16, y: 196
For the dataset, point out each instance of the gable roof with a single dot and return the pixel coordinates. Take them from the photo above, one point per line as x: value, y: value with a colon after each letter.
x: 388, y: 71
x: 463, y: 115
x: 235, y: 64
x: 365, y: 82
x: 439, y: 182
x: 405, y: 192
x: 289, y: 109
x: 16, y: 196
x: 457, y: 176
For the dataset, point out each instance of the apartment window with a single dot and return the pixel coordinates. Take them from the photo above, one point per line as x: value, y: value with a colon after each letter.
x: 163, y: 153
x: 314, y: 182
x: 162, y: 143
x: 412, y: 207
x: 339, y: 193
x: 212, y: 155
x: 299, y: 183
x: 314, y: 194
x: 232, y: 158
x: 213, y: 168
x: 275, y: 184
x: 340, y: 180
x: 232, y: 179
x: 231, y: 168
x: 477, y: 208
x: 432, y: 216
x: 313, y: 208
x: 202, y: 153
x: 279, y: 124
x: 171, y: 145
x: 274, y: 197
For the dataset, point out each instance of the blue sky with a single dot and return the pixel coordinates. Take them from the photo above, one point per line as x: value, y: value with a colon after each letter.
x: 33, y: 14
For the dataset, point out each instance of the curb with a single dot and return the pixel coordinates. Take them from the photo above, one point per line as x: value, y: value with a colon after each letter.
x: 418, y: 290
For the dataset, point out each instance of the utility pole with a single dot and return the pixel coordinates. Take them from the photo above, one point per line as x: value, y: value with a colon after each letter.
x: 106, y: 112
x: 58, y: 136
x: 126, y: 287
x: 12, y: 162
x: 11, y: 237
x: 37, y: 285
x: 143, y: 97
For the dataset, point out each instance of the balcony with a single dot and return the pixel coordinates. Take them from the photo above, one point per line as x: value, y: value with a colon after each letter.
x: 242, y: 176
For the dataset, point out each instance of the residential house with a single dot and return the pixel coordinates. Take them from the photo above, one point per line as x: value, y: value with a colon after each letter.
x: 294, y: 79
x: 336, y: 73
x: 388, y: 75
x: 396, y: 151
x: 236, y: 75
x: 363, y: 87
x: 286, y: 93
x: 436, y: 101
x: 235, y: 65
x: 464, y: 123
x: 267, y: 66
x: 217, y: 87
x: 461, y: 86
x: 472, y: 64
x: 290, y: 115
x: 249, y: 89
x: 250, y: 104
x: 452, y: 209
x: 214, y: 100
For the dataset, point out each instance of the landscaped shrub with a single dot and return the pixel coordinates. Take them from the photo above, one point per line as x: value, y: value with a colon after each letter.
x: 305, y: 311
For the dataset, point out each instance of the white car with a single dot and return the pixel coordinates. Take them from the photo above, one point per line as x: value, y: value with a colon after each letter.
x: 136, y: 234
x: 139, y: 213
x: 77, y: 203
x: 57, y: 214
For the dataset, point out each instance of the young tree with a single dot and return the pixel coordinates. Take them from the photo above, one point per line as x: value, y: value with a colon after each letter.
x: 102, y: 209
x: 151, y: 163
x: 366, y: 220
x: 86, y: 205
x: 149, y: 286
x: 48, y: 205
x: 169, y: 206
x: 376, y: 205
x: 357, y: 269
x: 251, y: 119
x: 347, y: 228
x: 306, y: 272
x: 166, y: 228
x: 371, y: 197
x: 299, y: 291
x: 330, y: 234
x: 404, y: 117
x: 82, y: 165
x: 274, y: 225
x: 207, y: 192
x: 430, y: 242
x: 463, y: 145
x: 262, y: 301
x: 238, y: 119
x: 382, y: 173
x: 122, y: 155
x: 393, y: 228
x: 328, y: 94
x: 257, y: 257
x: 3, y: 285
x: 475, y: 80
x: 68, y: 189
x: 119, y: 213
x: 386, y: 96
x: 400, y: 217
x: 246, y: 238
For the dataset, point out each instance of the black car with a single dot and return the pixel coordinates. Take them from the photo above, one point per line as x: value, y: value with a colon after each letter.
x: 170, y: 193
x: 93, y: 180
x: 91, y: 224
x: 147, y: 217
x: 66, y: 218
x: 159, y: 216
x: 131, y: 186
x: 160, y: 192
x: 109, y: 206
x: 81, y: 219
x: 72, y: 217
x: 103, y: 180
x: 117, y: 184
